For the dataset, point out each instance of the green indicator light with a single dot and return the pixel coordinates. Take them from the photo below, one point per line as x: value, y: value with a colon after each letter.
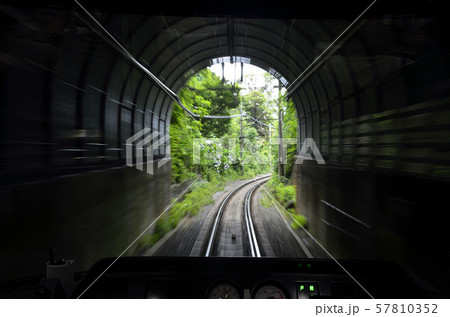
x: 302, y: 287
x: 299, y: 265
x: 308, y: 265
x: 311, y: 288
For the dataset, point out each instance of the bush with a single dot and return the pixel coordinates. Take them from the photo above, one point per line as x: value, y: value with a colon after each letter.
x: 199, y: 196
x: 298, y: 220
x: 285, y: 195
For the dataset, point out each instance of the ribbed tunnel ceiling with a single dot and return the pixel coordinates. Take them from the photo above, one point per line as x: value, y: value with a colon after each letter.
x: 174, y: 48
x: 96, y: 98
x: 180, y: 47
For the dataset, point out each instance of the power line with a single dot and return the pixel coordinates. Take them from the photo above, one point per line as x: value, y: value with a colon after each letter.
x: 109, y: 38
x: 256, y: 120
x: 330, y: 50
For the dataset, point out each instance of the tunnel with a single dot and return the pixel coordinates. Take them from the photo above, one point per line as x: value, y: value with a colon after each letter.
x: 79, y: 79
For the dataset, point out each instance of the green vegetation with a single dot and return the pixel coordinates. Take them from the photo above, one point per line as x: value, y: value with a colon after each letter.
x: 182, y: 133
x: 283, y: 193
x: 285, y: 196
x: 206, y: 94
x: 290, y: 126
x: 212, y: 148
x: 200, y: 195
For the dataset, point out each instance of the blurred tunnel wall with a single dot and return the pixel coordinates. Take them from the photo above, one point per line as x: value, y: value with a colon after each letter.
x: 68, y: 104
x: 383, y: 129
x: 378, y: 110
x: 85, y: 217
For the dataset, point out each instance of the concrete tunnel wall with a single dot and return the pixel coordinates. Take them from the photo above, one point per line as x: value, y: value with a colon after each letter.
x: 386, y: 151
x: 68, y: 104
x: 84, y: 217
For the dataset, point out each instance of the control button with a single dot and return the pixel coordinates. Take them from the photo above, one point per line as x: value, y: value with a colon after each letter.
x: 307, y: 290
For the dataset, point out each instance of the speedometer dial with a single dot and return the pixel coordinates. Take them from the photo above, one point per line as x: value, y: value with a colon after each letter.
x: 269, y: 292
x: 224, y: 291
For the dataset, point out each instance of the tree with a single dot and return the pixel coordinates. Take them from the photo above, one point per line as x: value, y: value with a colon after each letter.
x: 290, y: 128
x: 204, y: 94
x: 214, y: 97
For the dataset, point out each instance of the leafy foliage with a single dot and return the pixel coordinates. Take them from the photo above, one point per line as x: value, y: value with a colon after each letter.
x: 285, y: 196
x: 283, y: 193
x: 256, y: 104
x: 211, y: 96
x: 206, y: 94
x: 183, y: 131
x: 290, y: 127
x: 222, y: 160
x: 200, y: 195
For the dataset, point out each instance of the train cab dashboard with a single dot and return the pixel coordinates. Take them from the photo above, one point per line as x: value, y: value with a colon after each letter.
x: 248, y: 278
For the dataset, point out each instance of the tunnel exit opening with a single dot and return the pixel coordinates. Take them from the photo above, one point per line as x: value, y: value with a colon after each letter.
x: 254, y: 116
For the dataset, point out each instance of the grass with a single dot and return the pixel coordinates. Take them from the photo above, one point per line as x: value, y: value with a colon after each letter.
x: 285, y: 196
x: 200, y: 195
x: 299, y: 221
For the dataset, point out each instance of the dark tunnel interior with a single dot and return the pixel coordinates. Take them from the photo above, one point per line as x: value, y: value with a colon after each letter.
x: 378, y: 109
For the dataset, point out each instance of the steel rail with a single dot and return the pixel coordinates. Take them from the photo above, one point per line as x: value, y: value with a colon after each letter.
x: 222, y: 206
x: 254, y: 247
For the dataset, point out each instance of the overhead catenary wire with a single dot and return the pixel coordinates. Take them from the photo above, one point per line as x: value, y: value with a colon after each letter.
x: 256, y: 120
x: 327, y: 52
x: 109, y: 38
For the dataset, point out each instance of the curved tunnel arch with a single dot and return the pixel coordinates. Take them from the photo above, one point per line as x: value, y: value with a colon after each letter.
x: 182, y: 52
x: 201, y: 44
x: 378, y: 108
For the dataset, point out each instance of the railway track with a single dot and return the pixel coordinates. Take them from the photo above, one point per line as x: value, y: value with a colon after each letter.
x: 232, y: 232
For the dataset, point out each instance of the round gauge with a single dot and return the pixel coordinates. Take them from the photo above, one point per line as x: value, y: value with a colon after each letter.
x: 269, y: 292
x: 223, y: 291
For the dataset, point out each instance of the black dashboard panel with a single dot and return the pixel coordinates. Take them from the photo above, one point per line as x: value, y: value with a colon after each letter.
x: 215, y: 277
